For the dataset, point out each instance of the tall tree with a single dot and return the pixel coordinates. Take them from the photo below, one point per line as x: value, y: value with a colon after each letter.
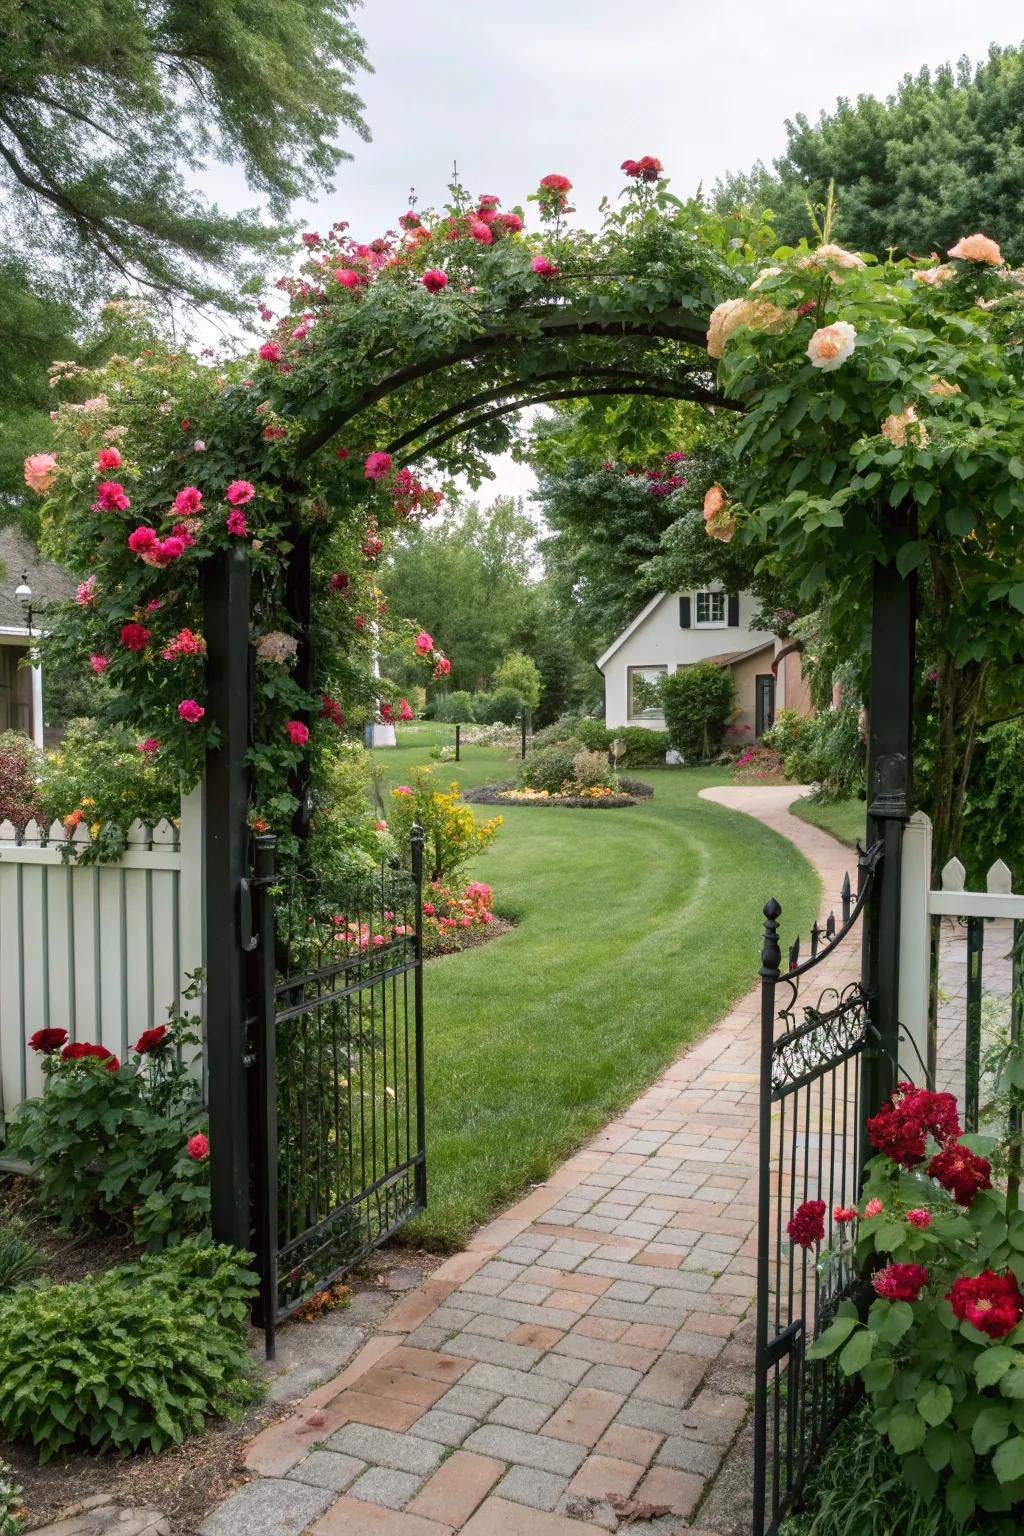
x: 467, y: 581
x: 940, y: 158
x: 108, y: 109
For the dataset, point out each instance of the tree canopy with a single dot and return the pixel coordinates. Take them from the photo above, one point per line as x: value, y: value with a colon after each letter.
x: 940, y: 158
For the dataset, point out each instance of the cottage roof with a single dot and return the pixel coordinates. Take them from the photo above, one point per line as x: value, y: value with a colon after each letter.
x: 48, y: 581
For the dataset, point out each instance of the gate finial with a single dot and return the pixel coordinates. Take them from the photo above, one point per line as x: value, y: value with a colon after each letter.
x: 771, y: 954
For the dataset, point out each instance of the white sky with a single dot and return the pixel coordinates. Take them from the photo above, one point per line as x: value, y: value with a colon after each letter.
x: 513, y: 89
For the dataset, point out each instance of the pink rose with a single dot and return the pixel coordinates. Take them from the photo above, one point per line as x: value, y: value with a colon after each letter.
x: 424, y: 644
x: 98, y: 662
x: 298, y: 734
x: 151, y: 744
x: 40, y: 469
x: 377, y: 466
x: 189, y: 501
x: 108, y: 458
x: 920, y: 1218
x: 85, y: 592
x: 190, y: 711
x: 271, y: 352
x: 480, y: 231
x: 237, y: 524
x: 873, y: 1208
x: 543, y: 267
x: 198, y: 1147
x: 239, y: 492
x: 434, y: 280
x: 141, y: 540
x: 346, y: 277
x: 111, y: 497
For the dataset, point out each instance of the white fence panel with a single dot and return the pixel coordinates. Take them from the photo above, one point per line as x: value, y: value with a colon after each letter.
x: 99, y: 950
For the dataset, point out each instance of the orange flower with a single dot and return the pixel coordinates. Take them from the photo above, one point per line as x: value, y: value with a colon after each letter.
x: 977, y: 248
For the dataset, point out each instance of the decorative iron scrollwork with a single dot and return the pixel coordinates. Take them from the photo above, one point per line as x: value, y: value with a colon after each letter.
x: 825, y: 1038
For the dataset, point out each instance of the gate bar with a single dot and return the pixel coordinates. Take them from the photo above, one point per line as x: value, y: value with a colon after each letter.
x: 771, y: 959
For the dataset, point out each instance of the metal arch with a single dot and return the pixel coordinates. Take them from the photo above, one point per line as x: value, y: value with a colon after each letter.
x: 558, y: 325
x: 487, y: 396
x: 581, y: 392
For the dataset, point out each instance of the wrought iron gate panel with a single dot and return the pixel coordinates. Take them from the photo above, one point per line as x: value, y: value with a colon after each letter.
x: 814, y: 1059
x: 338, y: 1120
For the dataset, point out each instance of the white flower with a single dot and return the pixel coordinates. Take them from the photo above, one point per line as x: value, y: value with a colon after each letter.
x: 276, y: 646
x: 905, y: 428
x: 830, y: 254
x: 832, y: 345
x: 198, y: 446
x: 763, y: 276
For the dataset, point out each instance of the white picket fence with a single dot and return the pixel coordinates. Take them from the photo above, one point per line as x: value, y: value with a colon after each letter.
x: 919, y: 903
x: 100, y: 950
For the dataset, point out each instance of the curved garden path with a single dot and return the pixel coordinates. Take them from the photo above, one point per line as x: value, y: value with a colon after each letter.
x: 594, y: 1340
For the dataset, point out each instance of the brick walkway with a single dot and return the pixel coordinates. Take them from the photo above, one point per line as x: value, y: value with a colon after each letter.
x: 595, y: 1340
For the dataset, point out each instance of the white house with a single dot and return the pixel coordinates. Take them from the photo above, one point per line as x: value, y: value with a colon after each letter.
x: 678, y: 628
x: 21, y: 687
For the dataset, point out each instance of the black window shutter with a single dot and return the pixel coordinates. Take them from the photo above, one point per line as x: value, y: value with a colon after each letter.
x: 734, y: 610
x: 684, y: 613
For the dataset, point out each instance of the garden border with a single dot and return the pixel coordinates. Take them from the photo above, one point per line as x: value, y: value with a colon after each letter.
x: 491, y: 794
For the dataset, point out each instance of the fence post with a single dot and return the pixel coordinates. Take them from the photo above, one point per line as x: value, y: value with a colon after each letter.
x: 458, y: 742
x: 522, y: 729
x: 226, y: 594
x: 918, y: 1061
x: 421, y: 1106
x: 264, y: 1096
x: 771, y: 959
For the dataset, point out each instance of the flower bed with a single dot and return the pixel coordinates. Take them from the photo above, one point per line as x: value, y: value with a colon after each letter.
x: 509, y: 792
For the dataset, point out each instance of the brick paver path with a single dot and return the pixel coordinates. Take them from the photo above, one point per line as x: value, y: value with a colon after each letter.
x: 595, y: 1340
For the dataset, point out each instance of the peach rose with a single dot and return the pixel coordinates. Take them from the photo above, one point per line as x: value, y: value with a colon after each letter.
x: 905, y: 427
x: 719, y: 522
x: 730, y: 316
x: 831, y: 345
x: 833, y: 255
x: 935, y: 275
x: 977, y: 248
x: 943, y: 387
x: 40, y: 469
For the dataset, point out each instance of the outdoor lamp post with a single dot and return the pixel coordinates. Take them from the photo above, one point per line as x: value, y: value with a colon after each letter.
x: 23, y: 597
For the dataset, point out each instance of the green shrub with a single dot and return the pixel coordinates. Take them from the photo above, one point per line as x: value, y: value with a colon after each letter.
x: 98, y: 775
x: 594, y: 734
x: 589, y: 769
x: 107, y: 1141
x: 20, y: 761
x: 519, y: 673
x: 826, y: 750
x: 644, y: 749
x: 20, y: 1259
x: 137, y: 1358
x: 549, y: 768
x: 455, y: 707
x: 994, y: 814
x: 697, y: 702
x: 12, y: 1511
x: 565, y: 728
x: 505, y: 705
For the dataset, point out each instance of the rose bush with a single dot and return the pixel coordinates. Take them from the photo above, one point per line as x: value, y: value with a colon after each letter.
x: 940, y: 1350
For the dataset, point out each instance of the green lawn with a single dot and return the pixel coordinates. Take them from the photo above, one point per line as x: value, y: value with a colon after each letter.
x: 635, y: 930
x: 845, y: 819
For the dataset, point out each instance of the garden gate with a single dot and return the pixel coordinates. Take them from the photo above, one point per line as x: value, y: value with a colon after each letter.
x: 336, y: 1108
x: 822, y: 1074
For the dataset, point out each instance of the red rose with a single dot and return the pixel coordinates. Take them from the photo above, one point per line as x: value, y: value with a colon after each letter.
x: 900, y: 1282
x: 134, y: 637
x: 961, y: 1171
x: 807, y: 1223
x: 46, y: 1041
x: 990, y: 1302
x: 150, y: 1039
x: 901, y: 1126
x: 81, y: 1050
x: 556, y: 183
x: 298, y: 734
x: 198, y: 1147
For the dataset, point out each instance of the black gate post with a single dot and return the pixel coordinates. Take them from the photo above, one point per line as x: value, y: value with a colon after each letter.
x: 890, y: 786
x: 264, y: 1096
x: 771, y: 959
x: 226, y: 592
x: 522, y: 729
x: 458, y: 743
x: 421, y: 1093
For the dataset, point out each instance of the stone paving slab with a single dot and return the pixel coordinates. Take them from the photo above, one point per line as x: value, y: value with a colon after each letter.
x: 593, y: 1341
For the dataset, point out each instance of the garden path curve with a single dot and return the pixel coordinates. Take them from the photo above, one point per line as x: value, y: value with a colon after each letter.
x: 596, y: 1340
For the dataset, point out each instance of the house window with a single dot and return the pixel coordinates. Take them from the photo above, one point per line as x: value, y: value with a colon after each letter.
x: 645, y: 692
x: 710, y: 610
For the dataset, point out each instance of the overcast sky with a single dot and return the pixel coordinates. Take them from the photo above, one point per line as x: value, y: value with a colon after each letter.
x: 513, y: 89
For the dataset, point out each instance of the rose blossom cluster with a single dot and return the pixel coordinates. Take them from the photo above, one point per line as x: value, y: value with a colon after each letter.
x: 901, y: 1127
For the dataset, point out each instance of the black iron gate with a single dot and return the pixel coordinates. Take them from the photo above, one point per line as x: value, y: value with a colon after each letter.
x: 337, y: 1112
x: 817, y: 1075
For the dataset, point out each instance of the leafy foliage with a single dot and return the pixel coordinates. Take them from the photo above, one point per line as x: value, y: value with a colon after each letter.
x: 20, y: 800
x: 519, y: 672
x: 644, y: 749
x: 451, y: 836
x: 549, y: 768
x: 826, y: 750
x: 109, y: 1145
x: 12, y: 1511
x: 913, y: 172
x: 137, y: 1358
x: 697, y: 703
x: 20, y: 1259
x: 98, y: 777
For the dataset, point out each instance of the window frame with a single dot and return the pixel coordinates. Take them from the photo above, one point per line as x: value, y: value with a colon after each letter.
x: 714, y: 597
x: 650, y: 714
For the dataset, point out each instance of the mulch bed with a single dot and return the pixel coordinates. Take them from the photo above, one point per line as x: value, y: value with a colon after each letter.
x: 184, y: 1482
x: 470, y: 938
x: 492, y: 794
